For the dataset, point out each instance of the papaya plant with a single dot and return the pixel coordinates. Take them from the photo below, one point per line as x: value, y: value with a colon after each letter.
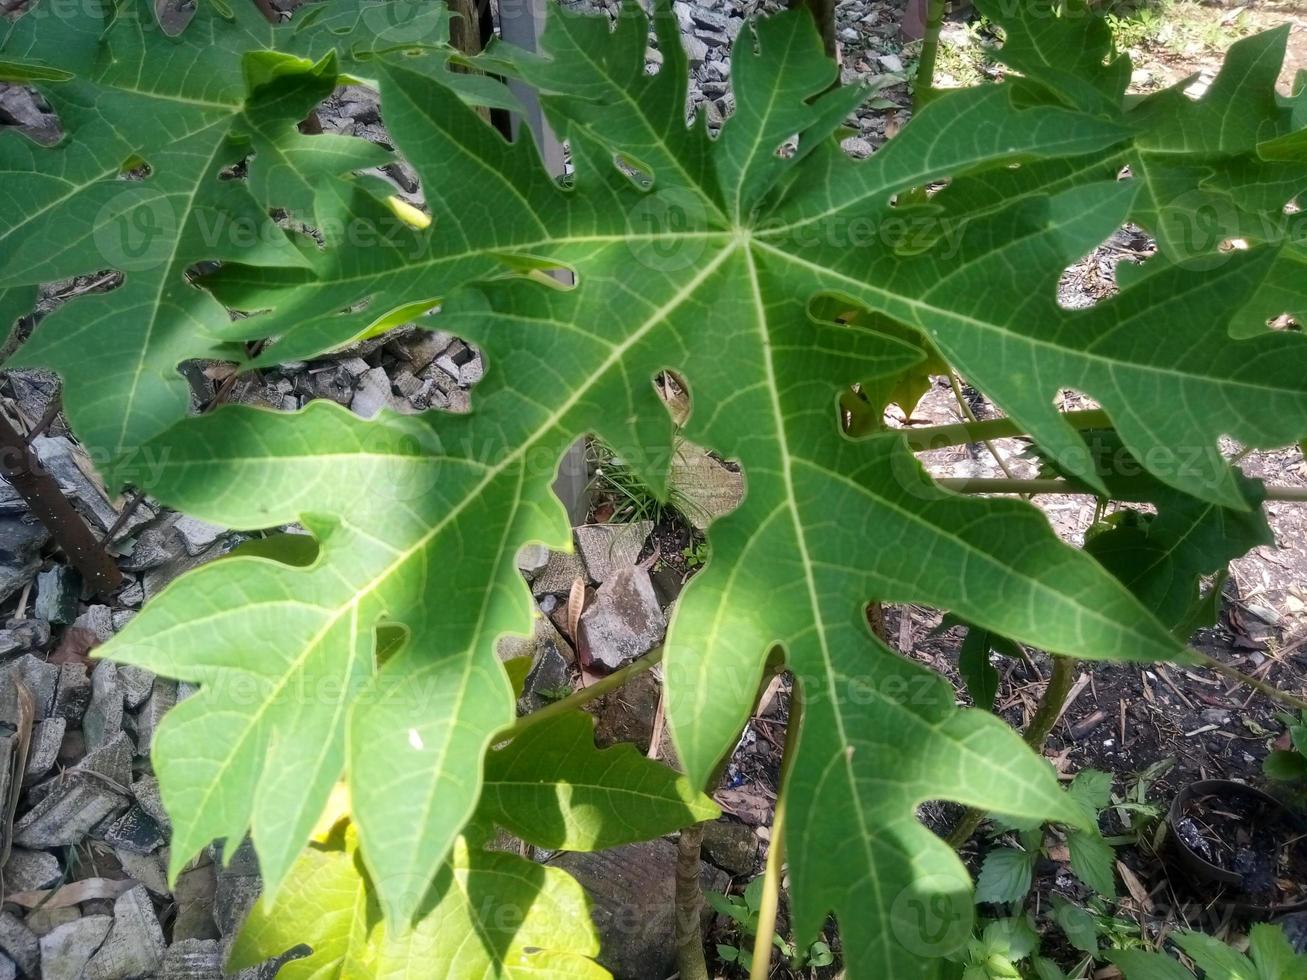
x: 352, y: 716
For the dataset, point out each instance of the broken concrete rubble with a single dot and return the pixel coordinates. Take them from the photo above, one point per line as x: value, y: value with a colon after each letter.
x: 607, y: 547
x: 624, y: 622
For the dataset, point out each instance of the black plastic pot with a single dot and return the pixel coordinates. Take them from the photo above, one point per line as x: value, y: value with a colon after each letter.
x: 1204, y: 872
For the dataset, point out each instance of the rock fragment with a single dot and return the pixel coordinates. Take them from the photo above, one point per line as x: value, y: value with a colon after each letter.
x: 632, y: 890
x: 20, y: 944
x: 67, y: 812
x: 624, y: 622
x: 104, y: 717
x: 607, y: 547
x: 134, y: 946
x: 57, y: 593
x: 66, y: 950
x: 27, y: 871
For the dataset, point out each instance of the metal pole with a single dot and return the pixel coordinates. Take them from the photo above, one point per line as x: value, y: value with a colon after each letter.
x: 521, y: 22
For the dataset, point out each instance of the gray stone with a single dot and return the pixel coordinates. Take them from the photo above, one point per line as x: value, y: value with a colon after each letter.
x: 44, y: 921
x: 532, y: 559
x: 66, y: 950
x: 17, y: 640
x: 72, y: 695
x: 857, y: 147
x: 606, y: 547
x: 233, y: 898
x: 47, y: 736
x: 134, y: 946
x: 136, y: 684
x: 97, y: 619
x: 8, y: 969
x: 543, y: 632
x: 8, y: 748
x: 633, y: 904
x: 57, y: 593
x: 192, y: 959
x: 194, y: 896
x: 69, y: 466
x: 39, y: 677
x: 146, y: 791
x: 21, y: 540
x: 462, y: 363
x: 113, y: 761
x: 562, y: 570
x: 28, y: 871
x: 372, y: 394
x: 20, y: 944
x: 134, y: 831
x: 731, y: 846
x: 549, y: 679
x: 624, y: 622
x: 67, y: 812
x: 148, y: 869
x: 155, y: 707
x: 196, y: 534
x: 103, y: 720
x: 704, y: 487
x: 695, y: 50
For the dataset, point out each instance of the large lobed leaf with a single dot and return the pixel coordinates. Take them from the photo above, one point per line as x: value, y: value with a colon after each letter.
x: 153, y: 126
x: 711, y: 260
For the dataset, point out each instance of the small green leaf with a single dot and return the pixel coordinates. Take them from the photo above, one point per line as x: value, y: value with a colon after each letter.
x: 1093, y: 861
x: 552, y: 787
x: 1091, y: 789
x: 977, y: 672
x: 1079, y: 925
x: 1005, y: 876
x: 1273, y: 955
x: 1215, y: 958
x: 1285, y: 765
x: 1135, y: 964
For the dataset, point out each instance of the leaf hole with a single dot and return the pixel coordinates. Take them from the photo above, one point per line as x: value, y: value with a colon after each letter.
x: 174, y: 16
x: 1101, y: 273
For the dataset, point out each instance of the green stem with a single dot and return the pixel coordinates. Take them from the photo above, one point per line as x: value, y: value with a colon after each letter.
x: 926, y: 437
x: 1047, y: 713
x: 582, y: 697
x: 929, y: 54
x: 971, y: 417
x: 1256, y: 683
x: 771, y: 883
x: 1005, y: 485
x: 689, y: 906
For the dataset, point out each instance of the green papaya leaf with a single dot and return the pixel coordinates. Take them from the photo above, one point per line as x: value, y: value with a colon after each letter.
x: 710, y: 259
x: 142, y: 184
x: 553, y: 788
x: 487, y: 914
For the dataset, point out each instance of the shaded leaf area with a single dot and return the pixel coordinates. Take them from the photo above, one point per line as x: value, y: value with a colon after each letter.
x: 1162, y: 557
x: 551, y: 788
x: 712, y: 259
x: 1269, y: 956
x: 143, y: 179
x: 1203, y: 173
x: 487, y: 913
